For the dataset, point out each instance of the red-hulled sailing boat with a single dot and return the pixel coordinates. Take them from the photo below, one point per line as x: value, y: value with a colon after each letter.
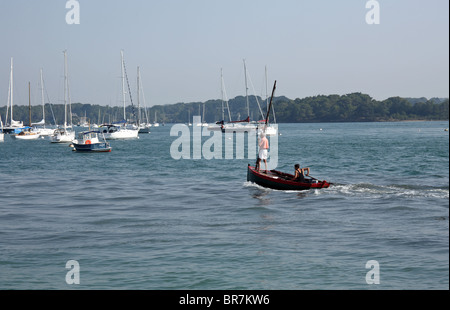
x: 282, y: 181
x: 279, y: 180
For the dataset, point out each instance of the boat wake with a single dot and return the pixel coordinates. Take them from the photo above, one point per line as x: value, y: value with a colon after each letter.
x: 393, y: 190
x: 373, y: 191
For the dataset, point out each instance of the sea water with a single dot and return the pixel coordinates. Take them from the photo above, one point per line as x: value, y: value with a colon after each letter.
x: 136, y: 218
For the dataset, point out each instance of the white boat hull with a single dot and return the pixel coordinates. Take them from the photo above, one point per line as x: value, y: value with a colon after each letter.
x: 26, y: 137
x: 270, y: 131
x: 45, y: 132
x: 63, y: 138
x: 122, y: 134
x: 214, y: 128
x: 239, y: 127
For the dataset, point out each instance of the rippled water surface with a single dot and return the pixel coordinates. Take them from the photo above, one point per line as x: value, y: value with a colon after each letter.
x: 136, y: 218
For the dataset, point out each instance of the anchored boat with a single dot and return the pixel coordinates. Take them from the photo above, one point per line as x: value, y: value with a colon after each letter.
x: 89, y: 141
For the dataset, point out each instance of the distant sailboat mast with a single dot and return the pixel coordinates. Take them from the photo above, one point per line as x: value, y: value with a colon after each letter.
x: 29, y: 102
x: 11, y: 91
x: 138, y: 98
x: 42, y: 98
x: 224, y: 98
x: 68, y: 96
x: 221, y: 91
x: 123, y: 87
x: 246, y: 89
x: 65, y: 90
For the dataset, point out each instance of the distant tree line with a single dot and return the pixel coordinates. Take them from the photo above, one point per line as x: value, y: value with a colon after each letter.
x: 355, y: 107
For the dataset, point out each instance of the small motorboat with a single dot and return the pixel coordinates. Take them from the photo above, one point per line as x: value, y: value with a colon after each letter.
x: 89, y: 141
x: 282, y: 181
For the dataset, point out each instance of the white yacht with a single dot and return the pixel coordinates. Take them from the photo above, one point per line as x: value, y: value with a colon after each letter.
x: 115, y: 132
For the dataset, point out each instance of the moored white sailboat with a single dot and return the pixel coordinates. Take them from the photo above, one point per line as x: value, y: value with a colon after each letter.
x: 64, y: 135
x: 115, y: 131
x: 13, y: 125
x: 40, y: 126
x: 144, y: 127
x: 27, y: 134
x: 218, y: 125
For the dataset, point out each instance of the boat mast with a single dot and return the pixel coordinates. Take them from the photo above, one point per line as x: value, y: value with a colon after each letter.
x: 267, y: 100
x: 138, y: 97
x: 11, y: 91
x: 267, y: 95
x: 270, y: 105
x: 42, y: 98
x: 68, y: 96
x: 123, y: 87
x: 224, y: 94
x: 65, y: 90
x: 221, y: 91
x: 246, y: 89
x: 29, y: 100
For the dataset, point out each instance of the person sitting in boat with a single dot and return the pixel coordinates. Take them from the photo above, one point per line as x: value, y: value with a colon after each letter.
x: 301, y: 173
x: 263, y: 149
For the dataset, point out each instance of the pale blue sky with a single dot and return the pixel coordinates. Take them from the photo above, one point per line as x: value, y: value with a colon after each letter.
x: 310, y: 47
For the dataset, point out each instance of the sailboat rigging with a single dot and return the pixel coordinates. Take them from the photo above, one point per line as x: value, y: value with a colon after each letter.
x: 144, y: 127
x: 120, y: 130
x: 64, y: 135
x: 14, y: 125
x: 40, y: 126
x: 245, y: 125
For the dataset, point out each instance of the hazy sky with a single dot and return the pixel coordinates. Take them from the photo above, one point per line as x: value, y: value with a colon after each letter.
x: 309, y: 47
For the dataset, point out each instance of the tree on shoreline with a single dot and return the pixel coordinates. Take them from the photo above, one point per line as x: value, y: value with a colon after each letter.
x: 354, y: 107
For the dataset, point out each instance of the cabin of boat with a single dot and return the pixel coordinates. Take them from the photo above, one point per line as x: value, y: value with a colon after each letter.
x: 282, y: 181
